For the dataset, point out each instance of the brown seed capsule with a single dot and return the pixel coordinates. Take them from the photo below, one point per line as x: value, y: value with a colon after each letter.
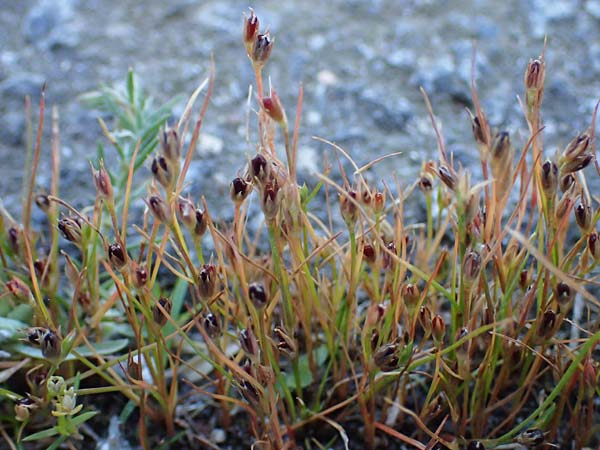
x: 163, y: 171
x: 42, y: 202
x: 273, y: 107
x: 501, y: 146
x: 14, y: 238
x: 426, y: 182
x: 133, y: 368
x: 201, y: 223
x: 250, y: 393
x: 375, y: 313
x: 270, y: 200
x: 261, y: 49
x: 447, y: 176
x: 410, y: 293
x: 102, y: 182
x: 159, y: 208
x: 187, y: 213
x: 248, y: 342
x: 471, y: 267
x: 250, y: 30
x: 141, y: 276
x: 531, y: 437
x: 534, y: 74
x: 19, y: 289
x: 160, y: 317
x: 593, y: 243
x: 566, y: 182
x: 117, y: 255
x: 576, y: 164
x: 24, y: 407
x: 70, y: 227
x: 549, y: 178
x: 378, y: 202
x: 170, y: 144
x: 207, y: 281
x: 583, y: 215
x: 438, y: 329
x: 389, y: 262
x: 565, y: 295
x: 348, y: 207
x: 260, y: 168
x: 51, y: 345
x: 285, y: 344
x: 425, y: 319
x: 386, y: 357
x: 257, y: 294
x: 35, y: 335
x: 211, y: 325
x: 369, y: 255
x: 478, y: 131
x: 524, y: 280
x: 547, y: 324
x: 239, y: 189
x: 475, y: 445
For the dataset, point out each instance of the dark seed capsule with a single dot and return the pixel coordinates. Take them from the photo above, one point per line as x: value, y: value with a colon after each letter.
x: 158, y: 315
x: 70, y: 229
x: 386, y: 357
x: 285, y: 344
x: 239, y: 190
x: 211, y: 325
x: 261, y: 50
x: 248, y: 342
x: 117, y: 255
x: 475, y: 445
x: 259, y: 168
x: 51, y: 345
x: 257, y: 294
x: 207, y: 281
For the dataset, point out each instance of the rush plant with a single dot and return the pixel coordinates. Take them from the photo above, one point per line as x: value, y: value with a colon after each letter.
x: 336, y: 326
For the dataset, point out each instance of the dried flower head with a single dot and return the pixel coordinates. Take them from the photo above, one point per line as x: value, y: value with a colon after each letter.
x: 207, y: 281
x: 261, y: 49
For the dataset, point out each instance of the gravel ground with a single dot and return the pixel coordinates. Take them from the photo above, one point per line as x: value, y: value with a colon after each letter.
x: 361, y: 64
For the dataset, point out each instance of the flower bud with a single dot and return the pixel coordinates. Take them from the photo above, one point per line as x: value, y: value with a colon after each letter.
x: 207, y: 281
x: 258, y: 295
x: 285, y: 344
x: 260, y: 168
x: 273, y: 107
x: 378, y: 202
x: 102, y: 182
x: 534, y: 83
x: 261, y: 49
x: 169, y: 144
x: 549, y: 179
x: 211, y: 325
x: 159, y: 208
x: 593, y: 243
x: 56, y: 386
x: 160, y: 317
x: 51, y: 345
x: 250, y: 30
x: 583, y: 215
x: 117, y: 255
x: 163, y: 171
x: 70, y: 227
x: 447, y: 176
x: 438, y: 329
x: 239, y: 190
x: 348, y: 207
x: 386, y: 357
x: 248, y: 342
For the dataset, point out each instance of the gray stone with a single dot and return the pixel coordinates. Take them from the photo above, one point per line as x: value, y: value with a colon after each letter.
x: 48, y: 24
x: 21, y: 84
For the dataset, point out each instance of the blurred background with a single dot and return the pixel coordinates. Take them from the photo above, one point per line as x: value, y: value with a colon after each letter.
x: 361, y: 64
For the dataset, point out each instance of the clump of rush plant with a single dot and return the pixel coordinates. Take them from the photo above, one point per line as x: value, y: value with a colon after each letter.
x: 476, y: 328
